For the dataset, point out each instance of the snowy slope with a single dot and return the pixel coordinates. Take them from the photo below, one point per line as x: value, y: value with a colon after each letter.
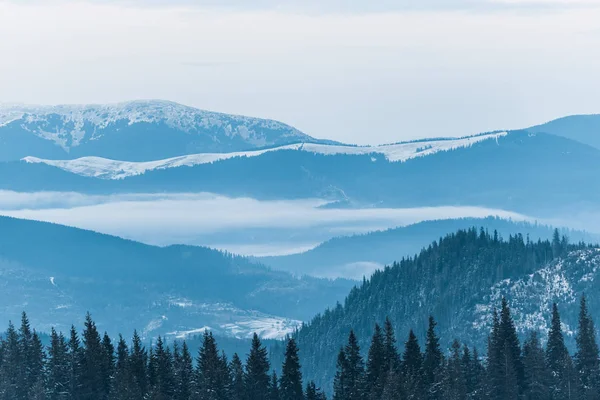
x: 531, y: 297
x: 112, y: 169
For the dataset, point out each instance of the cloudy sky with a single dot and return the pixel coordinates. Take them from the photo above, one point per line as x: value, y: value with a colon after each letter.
x: 360, y: 71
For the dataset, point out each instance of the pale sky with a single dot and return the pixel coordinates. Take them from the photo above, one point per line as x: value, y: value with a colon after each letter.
x: 362, y: 71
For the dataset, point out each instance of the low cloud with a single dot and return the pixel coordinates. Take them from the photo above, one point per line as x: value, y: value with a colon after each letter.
x: 208, y: 219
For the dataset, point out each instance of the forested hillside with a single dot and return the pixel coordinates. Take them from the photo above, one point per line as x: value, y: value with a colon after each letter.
x: 453, y: 279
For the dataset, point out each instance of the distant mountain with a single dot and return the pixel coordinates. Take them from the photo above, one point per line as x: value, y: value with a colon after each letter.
x: 583, y: 128
x: 57, y: 274
x: 538, y: 174
x: 133, y: 131
x: 98, y: 167
x: 360, y: 255
x: 458, y: 280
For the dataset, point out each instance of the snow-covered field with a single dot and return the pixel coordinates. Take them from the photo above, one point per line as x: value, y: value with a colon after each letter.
x: 114, y: 169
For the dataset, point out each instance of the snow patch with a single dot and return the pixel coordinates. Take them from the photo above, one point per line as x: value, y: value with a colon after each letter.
x: 103, y: 168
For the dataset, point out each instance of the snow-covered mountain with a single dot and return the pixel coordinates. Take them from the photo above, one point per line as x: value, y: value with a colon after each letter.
x: 99, y: 167
x: 133, y: 131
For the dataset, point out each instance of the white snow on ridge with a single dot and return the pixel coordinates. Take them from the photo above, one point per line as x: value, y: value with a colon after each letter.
x: 113, y: 169
x: 68, y: 125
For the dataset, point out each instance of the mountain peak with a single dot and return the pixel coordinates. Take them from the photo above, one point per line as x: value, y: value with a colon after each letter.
x: 150, y: 129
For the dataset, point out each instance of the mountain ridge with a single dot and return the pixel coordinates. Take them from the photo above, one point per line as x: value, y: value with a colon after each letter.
x: 139, y: 130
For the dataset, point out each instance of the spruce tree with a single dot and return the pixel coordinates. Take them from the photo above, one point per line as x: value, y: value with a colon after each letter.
x: 58, y: 368
x: 274, y: 387
x: 257, y: 371
x: 290, y: 386
x: 92, y: 384
x: 164, y: 386
x: 138, y: 360
x: 392, y: 358
x: 122, y: 376
x: 36, y: 368
x: 75, y: 355
x: 376, y: 372
x: 212, y: 383
x: 412, y: 368
x: 494, y: 382
x: 537, y: 376
x: 433, y: 361
x: 108, y: 364
x: 355, y: 369
x: 184, y: 373
x: 511, y: 356
x: 340, y: 385
x: 10, y: 372
x: 237, y: 390
x: 587, y: 357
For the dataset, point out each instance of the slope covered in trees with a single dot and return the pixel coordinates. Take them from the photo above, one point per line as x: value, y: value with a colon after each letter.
x: 452, y: 279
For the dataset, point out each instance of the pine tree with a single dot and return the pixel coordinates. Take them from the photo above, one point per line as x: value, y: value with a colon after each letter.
x: 31, y: 367
x: 211, y: 384
x: 184, y: 373
x: 257, y: 371
x: 511, y: 355
x: 556, y: 353
x: 505, y: 368
x: 433, y: 362
x: 75, y: 355
x: 237, y: 390
x: 340, y: 385
x: 122, y: 378
x: 274, y: 387
x: 138, y: 360
x: 36, y: 368
x: 587, y: 357
x: 412, y: 368
x: 537, y: 376
x: 10, y: 372
x: 290, y: 386
x: 164, y: 382
x: 355, y: 369
x: 376, y: 366
x: 58, y: 368
x: 92, y: 384
x: 494, y: 382
x: 392, y: 358
x: 108, y: 364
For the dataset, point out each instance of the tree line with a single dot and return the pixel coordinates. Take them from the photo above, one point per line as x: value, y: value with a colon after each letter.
x: 91, y: 366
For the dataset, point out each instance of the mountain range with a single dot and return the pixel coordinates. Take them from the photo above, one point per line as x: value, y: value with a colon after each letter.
x: 519, y: 171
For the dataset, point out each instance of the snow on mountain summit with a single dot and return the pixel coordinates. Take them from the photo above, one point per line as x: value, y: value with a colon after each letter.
x: 88, y: 130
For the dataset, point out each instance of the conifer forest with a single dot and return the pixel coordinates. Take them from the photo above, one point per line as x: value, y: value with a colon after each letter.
x: 89, y: 366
